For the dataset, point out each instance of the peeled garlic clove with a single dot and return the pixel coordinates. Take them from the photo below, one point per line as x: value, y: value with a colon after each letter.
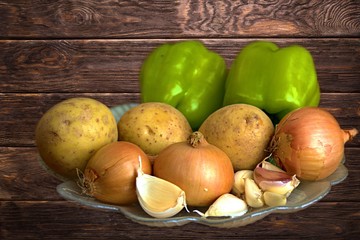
x: 253, y: 194
x: 159, y: 198
x: 227, y: 205
x: 275, y: 180
x: 274, y: 199
x: 239, y: 184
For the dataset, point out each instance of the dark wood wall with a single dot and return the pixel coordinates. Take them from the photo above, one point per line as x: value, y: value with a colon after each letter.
x: 54, y: 50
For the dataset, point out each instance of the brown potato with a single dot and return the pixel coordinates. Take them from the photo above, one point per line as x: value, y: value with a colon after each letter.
x: 242, y: 131
x: 153, y: 126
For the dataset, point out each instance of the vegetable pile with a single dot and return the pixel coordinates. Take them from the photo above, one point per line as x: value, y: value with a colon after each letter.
x: 201, y: 137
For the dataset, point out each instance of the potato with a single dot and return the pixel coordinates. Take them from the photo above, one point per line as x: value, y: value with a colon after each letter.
x: 153, y: 126
x: 70, y: 132
x: 242, y: 131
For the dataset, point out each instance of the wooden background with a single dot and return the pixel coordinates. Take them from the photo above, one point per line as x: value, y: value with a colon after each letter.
x: 54, y: 50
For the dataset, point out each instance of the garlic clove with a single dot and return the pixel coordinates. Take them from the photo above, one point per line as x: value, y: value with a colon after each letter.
x: 227, y: 205
x: 273, y: 179
x: 274, y: 199
x: 253, y: 194
x: 158, y: 197
x: 238, y: 188
x: 269, y: 166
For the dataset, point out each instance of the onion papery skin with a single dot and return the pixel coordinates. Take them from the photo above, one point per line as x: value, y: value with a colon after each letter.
x: 309, y: 142
x: 110, y: 175
x: 203, y: 172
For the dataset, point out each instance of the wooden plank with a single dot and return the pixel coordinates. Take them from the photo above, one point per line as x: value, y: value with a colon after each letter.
x: 342, y: 192
x: 54, y: 50
x: 169, y: 19
x: 114, y: 65
x: 20, y: 112
x: 53, y: 220
x: 23, y: 178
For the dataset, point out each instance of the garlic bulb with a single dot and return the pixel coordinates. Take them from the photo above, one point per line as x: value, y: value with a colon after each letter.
x: 273, y: 179
x: 238, y: 188
x: 253, y: 194
x: 227, y: 205
x: 157, y: 197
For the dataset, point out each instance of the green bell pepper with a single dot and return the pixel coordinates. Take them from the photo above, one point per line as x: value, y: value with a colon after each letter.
x: 187, y: 76
x: 273, y: 79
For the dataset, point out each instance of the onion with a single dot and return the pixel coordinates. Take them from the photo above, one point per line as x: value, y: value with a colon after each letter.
x: 110, y: 175
x: 202, y: 170
x: 309, y: 142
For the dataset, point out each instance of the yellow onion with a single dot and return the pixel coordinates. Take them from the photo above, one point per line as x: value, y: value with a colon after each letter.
x: 201, y: 170
x: 110, y: 175
x: 309, y: 142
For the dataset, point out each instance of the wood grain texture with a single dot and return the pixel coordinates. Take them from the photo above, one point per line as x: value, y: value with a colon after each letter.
x: 178, y: 19
x: 29, y: 220
x: 270, y: 18
x: 88, y: 19
x: 22, y: 177
x: 114, y: 65
x: 54, y: 50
